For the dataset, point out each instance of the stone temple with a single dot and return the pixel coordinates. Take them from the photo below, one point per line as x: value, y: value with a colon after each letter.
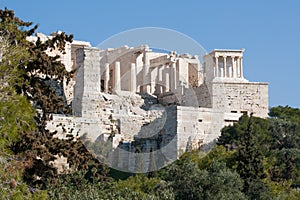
x: 139, y: 100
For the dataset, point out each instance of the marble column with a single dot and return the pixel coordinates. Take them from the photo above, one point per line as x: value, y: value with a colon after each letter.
x: 241, y: 67
x: 237, y: 67
x: 217, y: 67
x: 225, y: 67
x: 163, y: 78
x: 167, y: 78
x: 214, y: 72
x: 229, y: 75
x: 146, y: 75
x: 106, y: 77
x: 132, y: 77
x: 232, y: 67
x: 172, y: 77
x: 222, y: 72
x: 117, y: 86
x: 157, y: 89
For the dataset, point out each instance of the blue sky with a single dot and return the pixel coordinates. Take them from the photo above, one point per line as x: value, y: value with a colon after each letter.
x: 268, y: 30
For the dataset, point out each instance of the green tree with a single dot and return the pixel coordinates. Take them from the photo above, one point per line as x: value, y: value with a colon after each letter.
x: 286, y: 113
x: 283, y: 134
x: 16, y: 113
x: 232, y: 135
x: 264, y: 145
x: 220, y: 154
x: 250, y: 163
x: 29, y: 70
x: 16, y: 117
x: 286, y: 166
x: 215, y: 182
x: 223, y: 183
x: 73, y: 186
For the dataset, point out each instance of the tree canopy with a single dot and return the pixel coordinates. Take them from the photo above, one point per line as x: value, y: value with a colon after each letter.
x: 27, y: 99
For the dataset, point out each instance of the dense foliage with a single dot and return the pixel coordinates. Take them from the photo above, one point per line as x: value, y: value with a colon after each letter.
x: 268, y: 152
x: 286, y: 113
x: 253, y: 159
x: 26, y: 101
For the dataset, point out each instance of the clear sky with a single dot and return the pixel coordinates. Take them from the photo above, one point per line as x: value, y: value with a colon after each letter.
x: 268, y: 30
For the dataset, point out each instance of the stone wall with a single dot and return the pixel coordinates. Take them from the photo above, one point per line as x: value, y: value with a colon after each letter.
x: 197, y: 97
x: 240, y: 98
x: 199, y: 126
x: 88, y: 83
x: 193, y: 97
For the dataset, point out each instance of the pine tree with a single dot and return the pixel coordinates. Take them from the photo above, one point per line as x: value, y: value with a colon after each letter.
x: 250, y: 162
x: 289, y: 171
x: 28, y: 73
x: 16, y: 113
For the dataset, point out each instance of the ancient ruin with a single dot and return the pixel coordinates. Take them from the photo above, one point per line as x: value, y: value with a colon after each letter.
x: 137, y: 100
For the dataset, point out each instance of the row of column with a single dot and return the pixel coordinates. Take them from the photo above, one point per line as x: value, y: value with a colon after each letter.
x: 166, y: 81
x: 117, y: 77
x: 235, y: 70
